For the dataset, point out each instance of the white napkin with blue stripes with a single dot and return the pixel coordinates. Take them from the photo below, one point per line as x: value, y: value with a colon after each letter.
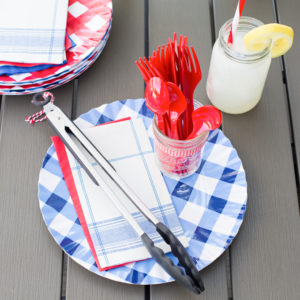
x: 126, y: 145
x: 33, y: 31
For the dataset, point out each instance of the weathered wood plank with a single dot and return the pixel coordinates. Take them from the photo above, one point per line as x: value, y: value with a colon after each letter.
x: 265, y: 255
x: 214, y: 278
x: 191, y: 18
x: 30, y: 259
x: 112, y: 77
x: 288, y: 12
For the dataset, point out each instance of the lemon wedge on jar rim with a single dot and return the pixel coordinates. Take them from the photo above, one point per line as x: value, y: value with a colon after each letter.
x: 281, y: 35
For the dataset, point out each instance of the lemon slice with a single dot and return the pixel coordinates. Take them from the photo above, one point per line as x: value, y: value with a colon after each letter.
x: 280, y: 35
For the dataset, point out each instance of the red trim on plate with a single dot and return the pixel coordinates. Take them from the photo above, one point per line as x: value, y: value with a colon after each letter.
x: 115, y: 121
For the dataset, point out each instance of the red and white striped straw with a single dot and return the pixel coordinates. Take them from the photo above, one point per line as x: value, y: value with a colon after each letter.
x: 235, y: 21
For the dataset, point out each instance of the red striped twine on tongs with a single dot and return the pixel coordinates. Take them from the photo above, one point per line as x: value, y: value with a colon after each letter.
x: 35, y: 118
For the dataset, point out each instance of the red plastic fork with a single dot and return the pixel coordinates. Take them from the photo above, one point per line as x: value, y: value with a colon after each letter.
x: 191, y: 76
x: 172, y: 61
x: 167, y: 58
x: 160, y: 60
x: 148, y: 69
x: 144, y: 71
x: 182, y: 44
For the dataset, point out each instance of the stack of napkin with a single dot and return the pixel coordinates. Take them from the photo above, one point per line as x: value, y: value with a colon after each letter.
x: 111, y: 239
x: 44, y: 44
x: 32, y: 35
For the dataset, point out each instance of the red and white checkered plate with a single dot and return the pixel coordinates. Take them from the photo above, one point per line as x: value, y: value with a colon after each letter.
x: 87, y: 24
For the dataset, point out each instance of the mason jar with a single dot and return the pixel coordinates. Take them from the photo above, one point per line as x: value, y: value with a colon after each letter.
x: 178, y: 158
x: 236, y: 76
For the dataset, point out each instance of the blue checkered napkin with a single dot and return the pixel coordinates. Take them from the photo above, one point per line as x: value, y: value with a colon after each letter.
x: 62, y: 76
x: 33, y: 31
x: 126, y: 145
x: 210, y: 204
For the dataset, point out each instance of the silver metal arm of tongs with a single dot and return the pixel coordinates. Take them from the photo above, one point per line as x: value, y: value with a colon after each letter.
x: 107, y: 178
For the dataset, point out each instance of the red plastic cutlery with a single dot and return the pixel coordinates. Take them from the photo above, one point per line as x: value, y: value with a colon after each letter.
x: 148, y: 69
x: 177, y: 107
x: 177, y: 66
x: 158, y: 101
x: 191, y: 76
x: 205, y: 118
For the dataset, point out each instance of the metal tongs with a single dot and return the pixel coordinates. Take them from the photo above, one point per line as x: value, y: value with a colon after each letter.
x: 67, y: 131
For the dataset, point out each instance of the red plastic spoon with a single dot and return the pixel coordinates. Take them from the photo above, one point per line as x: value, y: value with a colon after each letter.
x: 205, y: 118
x: 158, y: 101
x: 178, y: 105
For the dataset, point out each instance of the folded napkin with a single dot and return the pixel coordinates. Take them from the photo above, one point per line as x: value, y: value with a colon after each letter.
x: 112, y: 240
x: 33, y: 31
x: 12, y: 68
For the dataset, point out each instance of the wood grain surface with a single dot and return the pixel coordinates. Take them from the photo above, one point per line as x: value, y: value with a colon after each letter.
x: 30, y: 259
x: 265, y: 255
x: 288, y: 14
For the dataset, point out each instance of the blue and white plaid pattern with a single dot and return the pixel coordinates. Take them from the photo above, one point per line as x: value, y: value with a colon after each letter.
x: 65, y: 70
x: 210, y: 204
x: 62, y: 77
x: 33, y: 32
x: 130, y: 152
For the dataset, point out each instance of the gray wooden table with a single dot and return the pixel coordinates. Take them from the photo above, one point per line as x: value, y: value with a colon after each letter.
x: 263, y: 262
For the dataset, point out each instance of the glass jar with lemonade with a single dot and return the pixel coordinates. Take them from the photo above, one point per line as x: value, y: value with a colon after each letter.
x: 238, y: 71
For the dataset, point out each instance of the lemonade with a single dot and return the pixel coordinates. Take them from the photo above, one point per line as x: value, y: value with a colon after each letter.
x: 237, y: 76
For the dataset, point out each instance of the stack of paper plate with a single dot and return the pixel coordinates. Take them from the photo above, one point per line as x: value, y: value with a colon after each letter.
x: 88, y: 27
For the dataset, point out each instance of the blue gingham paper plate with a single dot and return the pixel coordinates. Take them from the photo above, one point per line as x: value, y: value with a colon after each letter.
x: 210, y: 204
